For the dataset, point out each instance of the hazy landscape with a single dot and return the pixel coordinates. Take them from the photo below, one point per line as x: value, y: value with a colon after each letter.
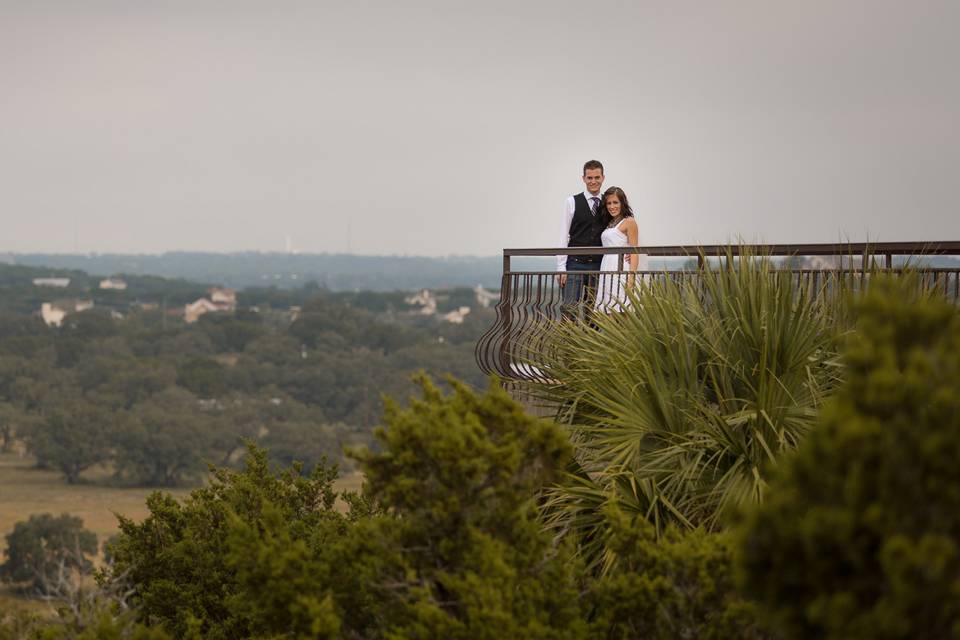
x: 262, y: 374
x: 133, y: 343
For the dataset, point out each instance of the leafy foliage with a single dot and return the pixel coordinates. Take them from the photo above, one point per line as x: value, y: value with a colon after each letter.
x: 459, y: 553
x: 176, y: 557
x: 43, y: 548
x: 681, y: 405
x: 860, y: 536
x: 678, y: 586
x: 445, y: 542
x: 74, y: 440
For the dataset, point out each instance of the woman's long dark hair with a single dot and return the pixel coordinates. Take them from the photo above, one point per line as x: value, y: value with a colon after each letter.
x: 625, y: 210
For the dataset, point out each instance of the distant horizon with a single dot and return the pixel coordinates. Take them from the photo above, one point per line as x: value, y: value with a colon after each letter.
x: 242, y: 252
x: 497, y: 254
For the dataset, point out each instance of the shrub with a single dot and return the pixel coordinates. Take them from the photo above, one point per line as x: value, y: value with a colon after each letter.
x: 681, y: 405
x: 176, y: 559
x: 860, y: 535
x: 44, y: 550
x: 678, y: 586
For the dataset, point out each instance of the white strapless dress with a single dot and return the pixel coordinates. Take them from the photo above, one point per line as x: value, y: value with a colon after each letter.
x: 612, y: 287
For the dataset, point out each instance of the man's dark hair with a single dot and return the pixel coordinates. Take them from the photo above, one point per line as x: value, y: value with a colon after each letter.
x: 592, y: 164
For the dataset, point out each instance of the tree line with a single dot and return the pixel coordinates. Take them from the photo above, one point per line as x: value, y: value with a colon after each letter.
x: 155, y: 400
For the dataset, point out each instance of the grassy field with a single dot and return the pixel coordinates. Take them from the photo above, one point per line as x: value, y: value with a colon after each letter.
x: 25, y: 490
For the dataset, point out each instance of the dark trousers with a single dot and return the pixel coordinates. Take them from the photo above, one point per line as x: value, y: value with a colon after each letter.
x: 580, y: 288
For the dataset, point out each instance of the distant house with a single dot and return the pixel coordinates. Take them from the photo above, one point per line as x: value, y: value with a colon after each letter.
x: 53, y: 313
x: 485, y: 298
x: 113, y: 283
x: 223, y: 296
x: 220, y: 300
x: 59, y: 283
x: 456, y: 316
x: 425, y: 300
x: 193, y: 310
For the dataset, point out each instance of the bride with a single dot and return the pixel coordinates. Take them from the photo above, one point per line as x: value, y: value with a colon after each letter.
x: 621, y: 231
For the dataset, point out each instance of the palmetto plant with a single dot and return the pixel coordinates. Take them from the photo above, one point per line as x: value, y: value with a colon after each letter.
x: 680, y: 406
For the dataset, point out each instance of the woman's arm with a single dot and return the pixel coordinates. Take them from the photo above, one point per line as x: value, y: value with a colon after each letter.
x: 630, y: 226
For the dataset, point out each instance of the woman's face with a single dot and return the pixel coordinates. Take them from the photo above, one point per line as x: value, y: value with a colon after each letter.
x: 613, y: 205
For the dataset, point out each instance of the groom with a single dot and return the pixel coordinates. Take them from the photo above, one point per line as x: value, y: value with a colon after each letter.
x: 581, y: 228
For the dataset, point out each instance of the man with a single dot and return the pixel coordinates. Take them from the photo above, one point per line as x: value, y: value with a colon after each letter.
x: 581, y: 228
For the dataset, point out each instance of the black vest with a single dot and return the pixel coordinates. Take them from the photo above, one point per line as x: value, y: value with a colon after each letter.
x: 585, y: 228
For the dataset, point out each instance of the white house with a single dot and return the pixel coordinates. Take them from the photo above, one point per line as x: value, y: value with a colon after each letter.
x: 220, y: 300
x: 223, y: 296
x: 53, y: 313
x: 426, y: 300
x: 113, y: 283
x: 59, y: 283
x: 193, y: 310
x: 456, y: 316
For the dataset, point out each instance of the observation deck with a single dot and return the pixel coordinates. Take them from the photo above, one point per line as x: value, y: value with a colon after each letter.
x: 531, y: 299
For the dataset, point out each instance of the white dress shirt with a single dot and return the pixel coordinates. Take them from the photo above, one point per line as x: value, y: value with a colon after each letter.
x: 568, y: 208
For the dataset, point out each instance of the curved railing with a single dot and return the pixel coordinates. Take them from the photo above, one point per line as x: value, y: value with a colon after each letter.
x: 531, y: 301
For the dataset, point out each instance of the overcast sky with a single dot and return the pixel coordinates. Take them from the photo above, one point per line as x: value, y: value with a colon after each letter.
x: 449, y: 127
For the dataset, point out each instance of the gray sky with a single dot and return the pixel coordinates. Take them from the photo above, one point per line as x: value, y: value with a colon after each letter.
x: 458, y: 128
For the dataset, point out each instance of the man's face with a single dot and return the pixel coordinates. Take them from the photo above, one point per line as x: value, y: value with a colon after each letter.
x: 593, y: 178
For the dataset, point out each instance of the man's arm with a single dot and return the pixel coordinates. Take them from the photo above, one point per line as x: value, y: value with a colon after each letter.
x: 568, y: 208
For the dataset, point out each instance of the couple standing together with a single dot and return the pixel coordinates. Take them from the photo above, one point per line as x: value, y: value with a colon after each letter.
x: 592, y: 219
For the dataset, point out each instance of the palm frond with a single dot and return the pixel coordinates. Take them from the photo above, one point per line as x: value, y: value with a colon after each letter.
x: 681, y: 405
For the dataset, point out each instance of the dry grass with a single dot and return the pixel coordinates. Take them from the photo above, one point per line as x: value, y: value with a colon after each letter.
x: 25, y: 490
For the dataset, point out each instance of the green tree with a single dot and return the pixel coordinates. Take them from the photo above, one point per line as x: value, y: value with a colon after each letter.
x: 93, y: 323
x: 202, y: 376
x: 680, y: 585
x: 12, y: 421
x: 74, y: 437
x: 44, y: 549
x: 860, y: 535
x: 165, y: 442
x: 177, y: 558
x: 231, y: 333
x: 460, y: 553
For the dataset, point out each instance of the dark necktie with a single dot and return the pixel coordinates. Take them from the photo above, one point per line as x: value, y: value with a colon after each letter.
x: 594, y: 205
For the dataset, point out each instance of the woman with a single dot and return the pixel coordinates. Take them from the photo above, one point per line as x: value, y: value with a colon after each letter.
x: 621, y: 231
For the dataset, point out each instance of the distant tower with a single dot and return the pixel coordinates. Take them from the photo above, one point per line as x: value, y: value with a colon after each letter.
x: 289, y: 244
x: 349, y: 238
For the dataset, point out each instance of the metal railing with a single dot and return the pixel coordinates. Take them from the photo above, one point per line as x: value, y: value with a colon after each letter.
x: 530, y: 301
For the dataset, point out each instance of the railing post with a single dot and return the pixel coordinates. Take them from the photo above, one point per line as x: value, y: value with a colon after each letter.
x: 506, y: 302
x: 888, y: 260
